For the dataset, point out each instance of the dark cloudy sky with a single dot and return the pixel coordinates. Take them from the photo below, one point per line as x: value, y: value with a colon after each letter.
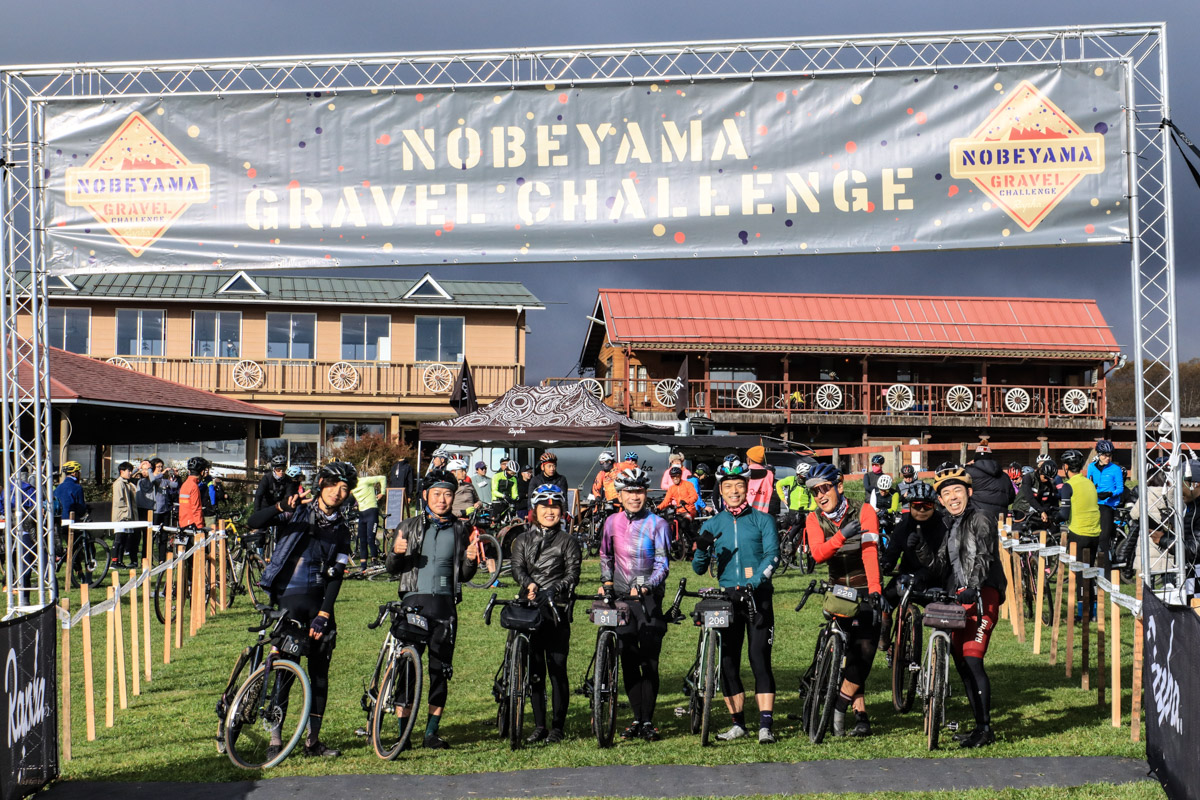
x: 56, y: 31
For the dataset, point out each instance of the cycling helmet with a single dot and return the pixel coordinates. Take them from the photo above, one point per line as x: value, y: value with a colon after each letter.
x: 1104, y: 448
x: 439, y: 478
x: 456, y: 464
x: 803, y: 468
x: 1014, y: 465
x: 441, y: 452
x: 548, y: 493
x: 632, y: 478
x: 702, y: 469
x: 733, y: 469
x: 294, y: 472
x: 920, y: 492
x: 1026, y: 471
x: 1047, y: 468
x: 631, y: 455
x: 950, y: 475
x: 1073, y: 459
x: 823, y: 473
x: 606, y: 458
x: 675, y: 470
x: 71, y: 467
x: 908, y: 471
x: 877, y: 458
x: 547, y: 457
x: 338, y: 472
x: 197, y: 464
x: 278, y: 462
x: 884, y: 483
x: 1043, y: 458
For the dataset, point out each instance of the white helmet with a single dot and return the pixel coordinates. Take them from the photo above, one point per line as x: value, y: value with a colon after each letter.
x: 885, y: 483
x: 456, y: 464
x: 606, y: 457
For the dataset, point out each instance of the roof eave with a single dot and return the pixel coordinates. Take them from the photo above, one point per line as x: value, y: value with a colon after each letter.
x: 777, y: 347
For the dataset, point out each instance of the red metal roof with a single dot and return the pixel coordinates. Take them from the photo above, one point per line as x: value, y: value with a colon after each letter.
x: 855, y: 323
x: 86, y: 380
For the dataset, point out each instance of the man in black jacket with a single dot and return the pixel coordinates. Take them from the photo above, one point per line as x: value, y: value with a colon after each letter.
x: 274, y: 486
x: 992, y: 490
x: 545, y: 563
x: 401, y: 477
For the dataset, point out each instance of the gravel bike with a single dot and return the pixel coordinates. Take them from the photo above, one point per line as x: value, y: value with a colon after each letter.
x: 793, y: 546
x: 244, y: 564
x: 820, y: 683
x: 711, y: 614
x: 395, y: 688
x: 89, y: 557
x: 601, y: 682
x: 942, y: 614
x: 180, y: 591
x: 512, y: 684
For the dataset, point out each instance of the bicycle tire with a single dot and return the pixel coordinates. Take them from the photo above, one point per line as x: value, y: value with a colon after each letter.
x: 1029, y: 584
x: 1051, y: 578
x: 695, y: 701
x: 160, y: 596
x: 604, y: 689
x: 236, y: 570
x: 710, y: 679
x: 255, y: 566
x: 485, y: 577
x: 247, y: 731
x: 679, y: 546
x: 402, y: 680
x: 226, y: 698
x: 906, y: 649
x: 787, y: 555
x: 91, y: 568
x: 828, y: 680
x: 935, y: 707
x: 518, y: 675
x: 595, y: 533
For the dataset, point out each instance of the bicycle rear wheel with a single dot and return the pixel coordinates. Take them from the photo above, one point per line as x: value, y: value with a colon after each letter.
x: 709, y: 686
x: 490, y: 562
x: 261, y: 708
x: 91, y: 562
x: 604, y: 689
x: 400, y: 687
x: 935, y: 704
x: 160, y: 595
x: 825, y: 689
x: 906, y: 651
x: 518, y: 661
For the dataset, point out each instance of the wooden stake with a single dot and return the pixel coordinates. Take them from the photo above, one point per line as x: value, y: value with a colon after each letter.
x: 222, y: 559
x: 167, y: 603
x: 1070, y: 617
x: 71, y: 554
x: 1135, y: 715
x: 149, y: 532
x: 1058, y: 596
x: 1101, y: 679
x: 210, y: 577
x: 134, y: 650
x: 120, y: 630
x: 1085, y: 620
x: 179, y: 599
x: 1019, y: 594
x: 1114, y: 653
x: 108, y: 665
x: 1039, y: 596
x: 89, y: 686
x: 197, y: 587
x: 66, y: 682
x: 146, y: 613
x: 1006, y: 565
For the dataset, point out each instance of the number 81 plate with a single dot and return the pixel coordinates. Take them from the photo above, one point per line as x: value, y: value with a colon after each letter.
x: 716, y: 619
x: 605, y: 617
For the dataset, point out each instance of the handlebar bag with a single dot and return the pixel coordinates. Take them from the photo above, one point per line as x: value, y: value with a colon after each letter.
x: 841, y: 601
x: 412, y: 628
x: 523, y: 618
x: 622, y: 608
x: 721, y: 605
x: 945, y: 616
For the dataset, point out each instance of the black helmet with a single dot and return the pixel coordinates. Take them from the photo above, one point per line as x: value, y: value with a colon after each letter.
x: 877, y: 458
x: 908, y: 471
x: 920, y: 492
x: 278, y: 462
x: 703, y: 469
x: 1104, y: 448
x: 1015, y: 465
x: 338, y: 472
x: 197, y: 464
x: 1073, y: 459
x: 439, y: 477
x: 1047, y: 469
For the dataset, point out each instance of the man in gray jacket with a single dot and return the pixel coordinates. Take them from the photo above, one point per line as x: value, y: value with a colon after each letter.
x: 124, y: 509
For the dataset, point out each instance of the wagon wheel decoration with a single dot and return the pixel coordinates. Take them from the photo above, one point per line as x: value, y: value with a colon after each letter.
x: 593, y: 387
x: 666, y: 392
x: 117, y: 361
x: 960, y: 399
x: 749, y: 395
x: 1075, y: 401
x: 1016, y: 400
x: 899, y: 397
x: 437, y: 378
x: 247, y: 374
x: 829, y: 396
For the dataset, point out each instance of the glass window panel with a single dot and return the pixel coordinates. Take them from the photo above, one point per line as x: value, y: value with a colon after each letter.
x: 127, y: 332
x: 378, y: 327
x: 301, y: 428
x: 56, y: 323
x: 302, y: 454
x: 371, y: 428
x: 427, y: 339
x: 204, y: 328
x: 452, y: 339
x: 230, y: 327
x: 78, y: 330
x: 337, y: 433
x: 279, y: 328
x: 152, y: 333
x: 304, y: 335
x: 352, y: 337
x: 269, y: 448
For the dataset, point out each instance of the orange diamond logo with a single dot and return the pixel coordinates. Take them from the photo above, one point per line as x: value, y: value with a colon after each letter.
x: 1027, y: 155
x: 137, y: 184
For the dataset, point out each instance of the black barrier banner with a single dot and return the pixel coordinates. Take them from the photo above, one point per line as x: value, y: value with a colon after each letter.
x: 1172, y: 691
x: 29, y: 703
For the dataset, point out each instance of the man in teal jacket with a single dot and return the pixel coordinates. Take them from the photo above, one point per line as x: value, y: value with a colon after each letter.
x: 744, y: 543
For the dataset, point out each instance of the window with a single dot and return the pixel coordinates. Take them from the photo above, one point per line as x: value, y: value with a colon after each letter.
x: 140, y: 332
x: 366, y: 337
x: 217, y: 334
x: 339, y: 431
x: 69, y: 329
x: 439, y: 338
x: 725, y: 380
x: 291, y: 335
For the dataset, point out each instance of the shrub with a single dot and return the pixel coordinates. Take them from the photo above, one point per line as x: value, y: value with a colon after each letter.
x: 372, y: 454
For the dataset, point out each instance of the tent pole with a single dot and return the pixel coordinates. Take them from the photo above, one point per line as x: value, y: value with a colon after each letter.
x: 418, y: 456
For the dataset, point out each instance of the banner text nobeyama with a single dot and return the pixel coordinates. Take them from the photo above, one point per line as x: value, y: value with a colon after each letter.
x: 961, y: 158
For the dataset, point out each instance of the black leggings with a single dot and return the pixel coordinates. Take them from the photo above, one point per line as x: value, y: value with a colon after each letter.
x: 302, y: 608
x: 761, y: 632
x: 640, y: 648
x: 1085, y: 550
x: 862, y: 640
x: 439, y: 653
x: 1107, y: 529
x: 978, y: 685
x: 548, y: 649
x: 366, y: 533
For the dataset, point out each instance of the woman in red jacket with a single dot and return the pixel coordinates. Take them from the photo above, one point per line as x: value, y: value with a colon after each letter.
x: 846, y: 536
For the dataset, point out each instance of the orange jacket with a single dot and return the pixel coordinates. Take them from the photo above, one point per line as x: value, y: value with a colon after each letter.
x: 681, y: 494
x: 191, y: 510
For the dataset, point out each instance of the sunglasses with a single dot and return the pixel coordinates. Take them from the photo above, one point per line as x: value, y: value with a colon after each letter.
x: 921, y: 506
x: 823, y: 488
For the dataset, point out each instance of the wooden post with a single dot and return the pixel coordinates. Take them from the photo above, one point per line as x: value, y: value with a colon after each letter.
x: 149, y: 532
x: 134, y: 649
x: 197, y: 586
x: 1114, y: 653
x: 222, y: 559
x: 1135, y: 713
x: 1006, y: 564
x: 1085, y: 630
x: 70, y: 553
x: 146, y: 614
x: 108, y: 665
x: 1039, y: 601
x: 167, y: 604
x: 1058, y: 594
x: 1101, y: 679
x: 89, y: 687
x: 66, y: 682
x: 179, y: 598
x: 210, y: 576
x: 1019, y: 594
x: 122, y: 694
x: 1070, y: 616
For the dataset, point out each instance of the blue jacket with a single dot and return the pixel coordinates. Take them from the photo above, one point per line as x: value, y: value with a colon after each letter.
x: 70, y: 498
x: 746, y: 548
x: 1107, y: 479
x: 694, y: 481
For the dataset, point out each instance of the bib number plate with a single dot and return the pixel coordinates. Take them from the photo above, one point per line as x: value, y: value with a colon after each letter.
x: 716, y: 619
x: 605, y: 617
x: 417, y: 621
x: 845, y: 592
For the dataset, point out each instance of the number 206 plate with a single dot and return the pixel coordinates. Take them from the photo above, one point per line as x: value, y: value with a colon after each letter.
x: 605, y: 617
x: 716, y: 619
x: 417, y: 621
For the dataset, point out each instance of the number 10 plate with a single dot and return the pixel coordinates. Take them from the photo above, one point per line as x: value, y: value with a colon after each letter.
x: 605, y: 617
x: 716, y: 619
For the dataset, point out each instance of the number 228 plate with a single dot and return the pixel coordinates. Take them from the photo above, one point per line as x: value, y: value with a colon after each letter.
x: 716, y: 619
x: 605, y: 617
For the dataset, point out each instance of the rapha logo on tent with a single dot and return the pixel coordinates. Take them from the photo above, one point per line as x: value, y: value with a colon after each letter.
x: 516, y: 431
x: 1163, y: 685
x: 26, y: 703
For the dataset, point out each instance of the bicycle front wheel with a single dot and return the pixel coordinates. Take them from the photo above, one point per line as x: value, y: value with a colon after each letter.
x: 160, y: 596
x: 709, y: 686
x: 518, y: 662
x: 260, y: 712
x: 400, y: 688
x: 490, y: 560
x: 825, y: 689
x: 604, y: 689
x: 91, y: 562
x: 906, y: 650
x: 935, y: 704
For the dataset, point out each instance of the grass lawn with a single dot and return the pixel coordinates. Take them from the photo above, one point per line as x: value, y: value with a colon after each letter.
x: 1097, y: 791
x: 167, y: 733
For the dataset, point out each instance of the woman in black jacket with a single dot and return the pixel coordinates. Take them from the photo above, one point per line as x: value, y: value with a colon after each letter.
x: 304, y: 577
x: 545, y: 563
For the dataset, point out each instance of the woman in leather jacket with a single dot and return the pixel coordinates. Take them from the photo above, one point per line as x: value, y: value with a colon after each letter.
x: 545, y: 563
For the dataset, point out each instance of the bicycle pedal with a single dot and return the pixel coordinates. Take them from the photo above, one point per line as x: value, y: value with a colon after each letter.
x: 952, y: 726
x: 680, y: 711
x: 914, y: 667
x: 361, y: 732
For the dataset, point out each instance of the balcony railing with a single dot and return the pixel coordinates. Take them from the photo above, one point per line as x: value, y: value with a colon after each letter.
x: 333, y: 378
x: 879, y: 402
